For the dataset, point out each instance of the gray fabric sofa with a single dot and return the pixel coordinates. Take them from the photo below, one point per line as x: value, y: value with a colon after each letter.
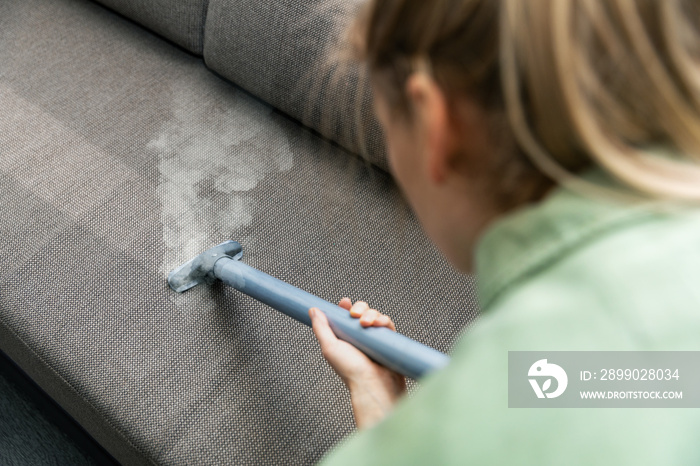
x: 135, y: 134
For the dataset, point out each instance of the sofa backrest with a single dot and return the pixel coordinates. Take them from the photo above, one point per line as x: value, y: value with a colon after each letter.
x: 283, y: 52
x: 181, y: 21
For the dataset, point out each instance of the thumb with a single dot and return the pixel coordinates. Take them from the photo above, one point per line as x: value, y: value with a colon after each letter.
x: 321, y: 328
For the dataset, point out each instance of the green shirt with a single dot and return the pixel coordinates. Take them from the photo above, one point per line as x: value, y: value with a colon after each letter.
x: 569, y: 273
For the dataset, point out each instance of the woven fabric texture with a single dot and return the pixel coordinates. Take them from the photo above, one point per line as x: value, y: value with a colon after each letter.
x: 181, y: 21
x: 290, y: 54
x: 121, y: 157
x: 27, y: 435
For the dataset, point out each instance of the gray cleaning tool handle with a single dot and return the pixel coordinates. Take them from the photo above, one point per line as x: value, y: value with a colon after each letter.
x: 388, y: 348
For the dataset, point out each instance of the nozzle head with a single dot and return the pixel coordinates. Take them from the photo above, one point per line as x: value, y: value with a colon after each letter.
x: 201, y: 268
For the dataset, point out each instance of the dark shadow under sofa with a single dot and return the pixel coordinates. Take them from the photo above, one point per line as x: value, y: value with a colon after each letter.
x: 136, y: 134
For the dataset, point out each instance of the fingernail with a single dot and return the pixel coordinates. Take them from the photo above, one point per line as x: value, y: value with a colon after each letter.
x: 312, y: 311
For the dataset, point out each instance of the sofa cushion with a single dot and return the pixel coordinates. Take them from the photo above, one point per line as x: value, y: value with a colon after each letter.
x: 287, y: 53
x: 181, y: 21
x: 121, y: 157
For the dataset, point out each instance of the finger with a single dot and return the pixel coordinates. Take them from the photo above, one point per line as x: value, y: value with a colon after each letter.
x: 369, y: 317
x: 323, y: 331
x: 384, y: 321
x: 345, y: 303
x: 358, y: 309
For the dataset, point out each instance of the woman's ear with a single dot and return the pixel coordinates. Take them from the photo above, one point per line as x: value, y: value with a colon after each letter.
x: 433, y: 120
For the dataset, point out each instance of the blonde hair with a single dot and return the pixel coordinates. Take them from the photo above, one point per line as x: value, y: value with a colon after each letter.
x: 614, y: 83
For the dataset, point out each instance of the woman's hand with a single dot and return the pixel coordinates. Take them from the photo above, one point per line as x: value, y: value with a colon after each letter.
x: 373, y: 388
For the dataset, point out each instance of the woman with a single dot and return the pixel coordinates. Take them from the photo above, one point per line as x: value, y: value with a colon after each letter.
x: 552, y: 148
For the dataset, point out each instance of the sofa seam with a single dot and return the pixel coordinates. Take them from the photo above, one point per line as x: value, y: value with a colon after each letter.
x: 202, y: 32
